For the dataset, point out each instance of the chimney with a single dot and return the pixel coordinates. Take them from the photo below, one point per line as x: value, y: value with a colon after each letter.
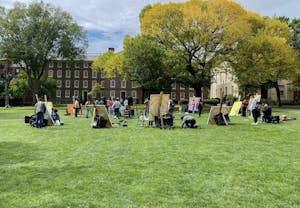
x: 111, y: 49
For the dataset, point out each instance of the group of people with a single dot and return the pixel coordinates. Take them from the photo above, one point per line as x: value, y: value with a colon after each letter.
x: 113, y: 106
x: 40, y: 110
x: 255, y: 106
x: 197, y: 105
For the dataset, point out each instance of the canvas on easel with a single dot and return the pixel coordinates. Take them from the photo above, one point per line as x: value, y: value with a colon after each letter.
x: 101, y: 111
x: 235, y: 108
x: 214, y: 110
x: 159, y: 105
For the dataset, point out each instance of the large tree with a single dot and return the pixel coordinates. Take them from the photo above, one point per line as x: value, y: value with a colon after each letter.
x: 33, y: 35
x: 196, y: 35
x: 265, y: 57
x: 144, y: 59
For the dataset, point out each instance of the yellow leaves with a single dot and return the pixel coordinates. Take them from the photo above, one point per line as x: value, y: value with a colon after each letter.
x: 108, y: 63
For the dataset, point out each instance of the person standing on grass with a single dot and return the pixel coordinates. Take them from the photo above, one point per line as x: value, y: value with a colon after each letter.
x: 255, y: 110
x: 200, y: 106
x: 76, y: 106
x: 116, y: 106
x: 40, y: 110
x: 87, y: 108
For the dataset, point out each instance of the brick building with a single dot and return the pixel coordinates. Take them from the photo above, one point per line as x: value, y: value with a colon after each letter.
x: 76, y: 78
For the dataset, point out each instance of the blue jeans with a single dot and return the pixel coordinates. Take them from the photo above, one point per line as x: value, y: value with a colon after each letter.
x: 39, y: 120
x: 87, y: 111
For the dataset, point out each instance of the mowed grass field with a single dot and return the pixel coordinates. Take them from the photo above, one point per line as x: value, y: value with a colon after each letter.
x: 73, y: 165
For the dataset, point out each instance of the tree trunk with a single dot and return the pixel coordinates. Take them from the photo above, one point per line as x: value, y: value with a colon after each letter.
x: 6, y: 93
x: 198, y: 91
x: 35, y: 88
x: 278, y: 94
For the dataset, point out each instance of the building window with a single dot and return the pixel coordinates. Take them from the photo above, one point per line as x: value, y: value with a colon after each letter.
x: 191, y: 94
x: 85, y: 84
x: 51, y: 64
x: 76, y: 93
x: 133, y: 84
x: 59, y: 73
x: 102, y: 75
x: 112, y: 93
x: 68, y: 83
x: 76, y: 65
x: 58, y: 93
x: 173, y: 95
x: 50, y: 73
x: 58, y: 83
x: 76, y: 84
x: 133, y: 93
x: 67, y: 65
x: 85, y: 74
x: 76, y: 75
x: 173, y: 85
x: 94, y: 74
x: 182, y: 87
x: 94, y: 83
x: 59, y: 64
x: 123, y: 84
x: 114, y: 74
x: 67, y: 93
x: 182, y: 95
x: 112, y: 83
x: 102, y: 84
x: 68, y: 74
x: 85, y: 65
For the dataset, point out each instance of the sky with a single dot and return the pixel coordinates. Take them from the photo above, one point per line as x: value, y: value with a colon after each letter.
x: 107, y: 22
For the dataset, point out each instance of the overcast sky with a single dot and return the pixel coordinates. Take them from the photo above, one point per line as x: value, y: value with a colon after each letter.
x: 108, y: 21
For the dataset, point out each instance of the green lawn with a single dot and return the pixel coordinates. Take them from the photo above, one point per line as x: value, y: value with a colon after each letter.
x: 233, y: 166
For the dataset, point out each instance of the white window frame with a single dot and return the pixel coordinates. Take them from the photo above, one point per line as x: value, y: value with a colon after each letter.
x: 102, y: 84
x: 182, y: 87
x: 50, y: 73
x: 123, y: 83
x: 173, y: 95
x: 85, y: 74
x: 112, y: 83
x: 112, y: 93
x: 94, y: 74
x: 51, y: 64
x: 58, y: 93
x: 59, y: 73
x: 76, y: 65
x: 59, y: 64
x: 94, y: 82
x: 133, y: 94
x: 191, y: 94
x: 67, y: 65
x: 102, y: 75
x: 133, y: 84
x: 76, y: 93
x: 76, y: 74
x: 67, y: 84
x: 76, y: 83
x: 67, y: 93
x: 85, y: 84
x: 58, y: 83
x: 68, y: 73
x: 85, y: 65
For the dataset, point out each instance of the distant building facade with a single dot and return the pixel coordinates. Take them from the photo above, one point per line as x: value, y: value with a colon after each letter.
x: 77, y: 79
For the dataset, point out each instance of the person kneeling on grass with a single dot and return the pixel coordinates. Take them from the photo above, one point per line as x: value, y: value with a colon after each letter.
x: 188, y: 121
